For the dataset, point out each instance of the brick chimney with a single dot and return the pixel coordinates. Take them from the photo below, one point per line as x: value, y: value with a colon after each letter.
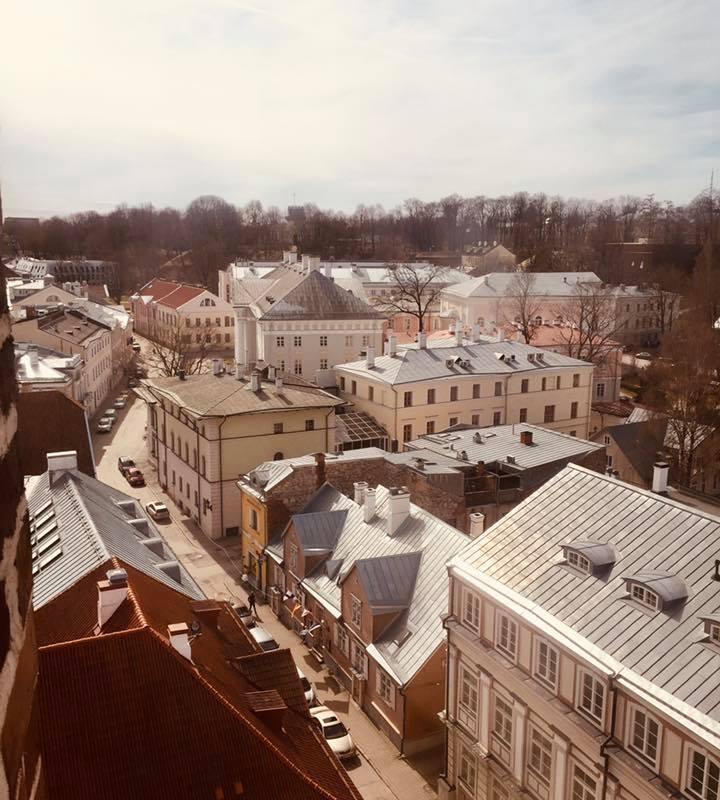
x: 179, y: 636
x: 112, y: 593
x: 319, y: 469
x: 398, y: 508
x: 526, y: 438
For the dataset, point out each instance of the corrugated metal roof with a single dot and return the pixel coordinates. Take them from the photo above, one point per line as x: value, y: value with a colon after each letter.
x: 411, y: 365
x: 501, y: 441
x: 92, y: 527
x: 651, y: 534
x: 418, y: 631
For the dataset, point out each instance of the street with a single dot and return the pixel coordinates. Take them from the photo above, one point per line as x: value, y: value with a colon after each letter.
x: 379, y: 772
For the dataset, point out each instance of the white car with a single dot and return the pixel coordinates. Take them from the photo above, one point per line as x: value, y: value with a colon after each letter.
x: 335, y: 733
x: 158, y: 510
x: 120, y: 402
x: 263, y: 638
x: 308, y: 688
x: 111, y: 414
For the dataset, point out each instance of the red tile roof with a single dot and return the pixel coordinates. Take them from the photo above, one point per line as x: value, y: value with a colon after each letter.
x: 170, y: 293
x: 139, y: 720
x: 157, y: 288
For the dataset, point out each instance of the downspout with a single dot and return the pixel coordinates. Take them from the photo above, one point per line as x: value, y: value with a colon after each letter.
x: 444, y: 773
x: 222, y: 518
x: 604, y: 745
x: 197, y: 472
x: 327, y: 431
x: 395, y: 430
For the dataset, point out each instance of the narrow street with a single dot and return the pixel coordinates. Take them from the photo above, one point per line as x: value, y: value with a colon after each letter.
x: 379, y: 772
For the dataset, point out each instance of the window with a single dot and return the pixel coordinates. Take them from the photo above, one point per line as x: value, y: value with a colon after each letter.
x: 385, y: 688
x: 583, y: 787
x: 203, y: 463
x: 471, y: 610
x: 297, y: 367
x: 358, y: 659
x: 606, y: 439
x: 644, y: 596
x: 523, y: 415
x: 187, y: 322
x: 546, y: 663
x: 592, y: 696
x: 342, y: 640
x: 371, y: 393
x: 292, y: 556
x: 540, y: 755
x: 277, y: 427
x: 355, y: 611
x: 573, y: 410
x: 430, y: 426
x: 297, y: 341
x: 576, y: 380
x: 278, y: 456
x: 281, y: 365
x: 180, y: 484
x: 353, y: 387
x: 452, y: 421
x: 227, y: 322
x: 323, y: 363
x: 430, y: 396
x: 502, y: 721
x: 714, y: 634
x: 476, y: 391
x: 453, y: 393
x: 407, y: 433
x: 253, y: 519
x: 348, y: 341
x: 309, y: 424
x: 578, y: 561
x: 467, y: 772
x: 524, y: 386
x: 227, y: 338
x: 475, y: 419
x: 197, y: 322
x: 365, y: 341
x: 208, y: 322
x: 407, y: 399
x: 217, y: 322
x: 703, y: 777
x: 600, y: 390
x: 558, y: 382
x: 643, y: 735
x: 498, y: 388
x: 497, y: 417
x: 544, y: 384
x: 549, y: 414
x: 506, y: 635
x: 323, y: 341
x: 280, y: 341
x: 608, y: 461
x: 342, y: 384
x: 573, y: 433
x: 468, y: 697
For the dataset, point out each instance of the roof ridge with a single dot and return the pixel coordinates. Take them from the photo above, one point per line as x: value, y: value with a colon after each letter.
x: 87, y: 640
x: 77, y: 497
x: 246, y: 720
x: 131, y: 593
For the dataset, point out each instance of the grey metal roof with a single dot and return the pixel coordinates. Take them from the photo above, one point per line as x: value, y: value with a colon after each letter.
x: 669, y: 588
x: 499, y: 284
x: 599, y: 554
x: 409, y: 366
x: 92, y: 527
x: 641, y: 443
x: 501, y: 441
x: 422, y: 533
x: 652, y: 534
x: 389, y: 581
x: 319, y: 531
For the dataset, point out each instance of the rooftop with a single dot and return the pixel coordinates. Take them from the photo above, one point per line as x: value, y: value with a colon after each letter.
x: 486, y: 358
x: 209, y: 395
x: 503, y: 442
x: 651, y: 534
x: 500, y: 284
x: 69, y: 325
x: 641, y: 443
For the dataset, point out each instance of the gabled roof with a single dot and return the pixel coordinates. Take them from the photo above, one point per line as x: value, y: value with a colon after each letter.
x: 180, y: 295
x: 91, y: 521
x: 319, y: 532
x: 522, y: 552
x: 389, y: 581
x: 500, y: 284
x: 641, y: 443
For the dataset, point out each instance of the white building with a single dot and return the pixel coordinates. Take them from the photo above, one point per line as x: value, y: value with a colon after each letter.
x: 584, y: 649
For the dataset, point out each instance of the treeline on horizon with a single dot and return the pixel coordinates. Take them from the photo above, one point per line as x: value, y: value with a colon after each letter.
x: 557, y: 233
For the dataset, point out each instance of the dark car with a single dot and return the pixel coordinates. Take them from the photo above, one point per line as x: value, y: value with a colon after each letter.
x: 246, y: 616
x: 134, y: 477
x: 132, y: 383
x: 125, y: 463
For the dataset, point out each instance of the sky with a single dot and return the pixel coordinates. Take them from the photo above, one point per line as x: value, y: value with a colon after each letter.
x: 352, y: 101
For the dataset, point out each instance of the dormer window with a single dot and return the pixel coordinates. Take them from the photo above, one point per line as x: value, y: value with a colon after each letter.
x: 712, y: 628
x: 589, y: 557
x: 578, y: 561
x: 644, y: 596
x: 656, y: 590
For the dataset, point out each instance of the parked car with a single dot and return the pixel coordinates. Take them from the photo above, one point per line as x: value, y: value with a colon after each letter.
x: 136, y: 347
x: 110, y: 413
x: 263, y: 638
x: 245, y: 615
x: 157, y: 510
x: 132, y: 383
x: 104, y: 425
x: 335, y: 733
x: 120, y: 402
x: 141, y: 372
x: 644, y: 356
x: 134, y: 477
x: 308, y: 688
x: 125, y: 463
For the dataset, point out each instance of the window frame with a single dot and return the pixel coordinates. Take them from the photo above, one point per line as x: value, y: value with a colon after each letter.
x: 578, y: 561
x: 691, y: 751
x: 643, y: 596
x: 468, y: 594
x: 546, y: 753
x: 385, y: 687
x: 507, y: 718
x: 574, y: 768
x: 355, y: 611
x: 584, y: 674
x: 467, y: 772
x: 641, y: 752
x: 545, y: 680
x: 513, y: 634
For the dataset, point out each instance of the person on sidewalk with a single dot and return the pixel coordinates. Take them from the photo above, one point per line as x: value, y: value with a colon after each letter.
x: 251, y: 604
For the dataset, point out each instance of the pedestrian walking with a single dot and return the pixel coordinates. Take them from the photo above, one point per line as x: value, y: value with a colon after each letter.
x: 251, y: 603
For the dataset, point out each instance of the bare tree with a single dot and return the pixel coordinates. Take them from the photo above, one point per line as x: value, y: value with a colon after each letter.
x: 176, y: 348
x: 590, y: 323
x: 524, y: 305
x: 416, y: 289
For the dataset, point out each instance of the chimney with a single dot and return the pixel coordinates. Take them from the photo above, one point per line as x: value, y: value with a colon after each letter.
x: 501, y: 335
x: 526, y: 437
x: 398, y: 508
x: 319, y: 469
x: 477, y: 524
x: 255, y: 381
x: 422, y: 340
x: 660, y: 477
x: 181, y: 374
x: 269, y: 707
x: 111, y: 594
x: 238, y: 372
x: 475, y: 333
x: 33, y: 353
x: 459, y: 335
x: 217, y: 366
x: 61, y: 462
x: 370, y: 358
x: 328, y: 271
x: 369, y: 505
x: 392, y: 345
x: 179, y: 636
x: 271, y: 372
x: 360, y: 488
x: 278, y: 385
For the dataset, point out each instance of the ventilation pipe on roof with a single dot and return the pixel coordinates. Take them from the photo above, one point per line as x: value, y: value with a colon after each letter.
x: 328, y: 271
x: 369, y: 505
x: 278, y: 385
x: 255, y: 381
x: 392, y: 345
x: 526, y: 437
x: 459, y: 335
x: 477, y: 524
x: 111, y: 594
x: 370, y: 358
x: 501, y: 335
x: 660, y: 477
x: 179, y: 636
x: 475, y: 333
x: 360, y: 488
x: 398, y: 508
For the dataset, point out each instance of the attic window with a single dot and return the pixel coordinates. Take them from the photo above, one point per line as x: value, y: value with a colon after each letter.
x: 589, y: 557
x: 714, y: 632
x: 712, y: 628
x: 644, y: 596
x: 578, y: 561
x: 656, y: 590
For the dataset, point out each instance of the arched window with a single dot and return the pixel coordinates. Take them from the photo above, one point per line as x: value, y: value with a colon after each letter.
x: 278, y: 456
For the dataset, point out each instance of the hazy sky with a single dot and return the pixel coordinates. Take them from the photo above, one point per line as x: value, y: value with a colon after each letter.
x: 346, y: 102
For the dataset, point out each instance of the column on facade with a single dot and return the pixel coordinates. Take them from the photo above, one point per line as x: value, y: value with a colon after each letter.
x: 451, y: 710
x: 484, y: 728
x: 239, y: 336
x: 559, y: 778
x: 519, y: 726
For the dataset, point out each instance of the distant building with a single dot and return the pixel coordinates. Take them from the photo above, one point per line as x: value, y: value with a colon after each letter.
x: 488, y: 257
x: 416, y: 391
x: 361, y: 581
x: 582, y: 629
x: 203, y: 431
x: 40, y: 369
x: 91, y: 271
